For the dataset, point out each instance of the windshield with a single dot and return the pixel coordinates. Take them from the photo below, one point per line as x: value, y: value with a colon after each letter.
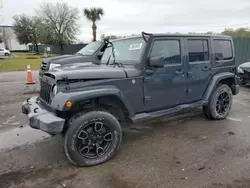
x: 90, y: 48
x: 124, y: 50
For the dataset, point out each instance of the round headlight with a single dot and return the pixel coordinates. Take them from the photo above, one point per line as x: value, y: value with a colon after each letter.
x: 52, y: 66
x: 239, y: 70
x: 54, y: 89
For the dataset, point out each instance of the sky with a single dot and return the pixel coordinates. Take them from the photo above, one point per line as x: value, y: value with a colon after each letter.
x: 125, y: 17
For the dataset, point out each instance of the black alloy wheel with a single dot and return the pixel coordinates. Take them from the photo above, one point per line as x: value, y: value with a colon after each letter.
x: 94, y: 140
x: 222, y: 103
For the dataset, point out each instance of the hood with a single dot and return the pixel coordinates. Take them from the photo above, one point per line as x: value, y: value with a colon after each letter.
x: 66, y: 59
x: 75, y: 65
x: 78, y: 71
x: 245, y: 66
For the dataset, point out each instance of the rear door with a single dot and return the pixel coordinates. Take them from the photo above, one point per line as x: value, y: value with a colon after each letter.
x: 199, y: 67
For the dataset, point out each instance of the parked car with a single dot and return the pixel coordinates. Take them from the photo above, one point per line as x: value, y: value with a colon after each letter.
x: 138, y: 79
x: 244, y: 73
x: 91, y: 53
x: 4, y: 52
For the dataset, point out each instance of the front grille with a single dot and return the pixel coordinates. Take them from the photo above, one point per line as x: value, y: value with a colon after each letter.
x: 44, y: 66
x: 45, y: 91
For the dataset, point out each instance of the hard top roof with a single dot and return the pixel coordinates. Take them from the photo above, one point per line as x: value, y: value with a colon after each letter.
x: 176, y: 35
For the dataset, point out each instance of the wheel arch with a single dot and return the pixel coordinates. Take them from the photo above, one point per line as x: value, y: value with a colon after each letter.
x: 227, y: 78
x: 91, y: 98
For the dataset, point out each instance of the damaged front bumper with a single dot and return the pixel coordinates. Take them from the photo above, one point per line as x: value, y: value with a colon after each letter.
x: 40, y: 118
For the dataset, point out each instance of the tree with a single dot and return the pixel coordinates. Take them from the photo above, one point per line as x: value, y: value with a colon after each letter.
x: 46, y: 34
x: 22, y: 28
x: 110, y: 37
x: 93, y: 15
x: 61, y: 20
x: 35, y: 31
x: 27, y: 29
x: 240, y: 32
x: 5, y: 35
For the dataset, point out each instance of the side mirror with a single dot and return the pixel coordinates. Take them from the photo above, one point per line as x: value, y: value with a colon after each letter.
x: 157, y: 62
x: 99, y: 55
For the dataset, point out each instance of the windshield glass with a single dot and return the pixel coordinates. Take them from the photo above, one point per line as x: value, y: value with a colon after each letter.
x: 124, y: 50
x: 90, y: 48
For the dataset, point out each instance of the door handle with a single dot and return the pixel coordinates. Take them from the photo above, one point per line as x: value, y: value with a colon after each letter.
x: 150, y: 71
x: 179, y: 71
x: 206, y: 68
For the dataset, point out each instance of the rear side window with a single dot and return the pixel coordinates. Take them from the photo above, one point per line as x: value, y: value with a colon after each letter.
x: 169, y: 49
x: 198, y: 50
x: 223, y: 50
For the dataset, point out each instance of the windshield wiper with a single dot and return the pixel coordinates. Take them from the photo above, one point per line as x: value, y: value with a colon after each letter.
x: 78, y: 53
x: 117, y: 63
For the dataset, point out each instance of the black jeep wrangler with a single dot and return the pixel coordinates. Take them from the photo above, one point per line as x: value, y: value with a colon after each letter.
x: 139, y: 78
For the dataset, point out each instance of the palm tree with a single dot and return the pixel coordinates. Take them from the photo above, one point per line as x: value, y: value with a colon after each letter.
x: 93, y: 14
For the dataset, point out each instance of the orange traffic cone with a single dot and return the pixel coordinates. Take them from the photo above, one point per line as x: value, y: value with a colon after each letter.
x: 29, y: 76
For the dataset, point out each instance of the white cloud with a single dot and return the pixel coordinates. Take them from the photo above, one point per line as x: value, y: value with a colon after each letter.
x: 133, y: 16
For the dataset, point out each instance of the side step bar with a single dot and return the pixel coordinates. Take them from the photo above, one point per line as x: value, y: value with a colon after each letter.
x: 155, y: 114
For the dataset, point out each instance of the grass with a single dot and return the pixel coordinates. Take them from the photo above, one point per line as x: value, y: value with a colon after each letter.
x: 20, y: 62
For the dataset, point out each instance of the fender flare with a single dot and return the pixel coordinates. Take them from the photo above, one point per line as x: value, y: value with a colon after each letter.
x: 75, y: 96
x: 214, y: 82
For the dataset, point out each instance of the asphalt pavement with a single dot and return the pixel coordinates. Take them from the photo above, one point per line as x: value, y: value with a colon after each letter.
x: 184, y: 150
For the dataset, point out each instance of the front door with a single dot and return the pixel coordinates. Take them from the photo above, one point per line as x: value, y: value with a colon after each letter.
x: 165, y: 87
x: 199, y: 67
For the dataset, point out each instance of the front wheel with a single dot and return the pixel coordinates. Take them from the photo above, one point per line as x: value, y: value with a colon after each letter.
x: 220, y: 103
x: 92, y: 138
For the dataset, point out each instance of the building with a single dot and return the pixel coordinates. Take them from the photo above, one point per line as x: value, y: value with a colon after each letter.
x: 9, y: 39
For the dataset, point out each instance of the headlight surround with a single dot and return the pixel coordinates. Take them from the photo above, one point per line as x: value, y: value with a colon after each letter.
x: 54, y: 89
x: 52, y: 66
x: 239, y: 70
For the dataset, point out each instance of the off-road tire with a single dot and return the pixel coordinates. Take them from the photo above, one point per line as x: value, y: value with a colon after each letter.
x: 210, y: 109
x: 76, y: 123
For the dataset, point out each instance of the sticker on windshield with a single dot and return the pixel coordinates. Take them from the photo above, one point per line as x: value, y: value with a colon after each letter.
x: 135, y: 46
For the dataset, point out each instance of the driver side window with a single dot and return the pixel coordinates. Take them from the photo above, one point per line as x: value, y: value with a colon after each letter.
x: 169, y: 49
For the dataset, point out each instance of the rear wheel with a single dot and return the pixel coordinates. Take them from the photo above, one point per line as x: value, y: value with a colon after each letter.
x: 220, y: 103
x: 92, y: 138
